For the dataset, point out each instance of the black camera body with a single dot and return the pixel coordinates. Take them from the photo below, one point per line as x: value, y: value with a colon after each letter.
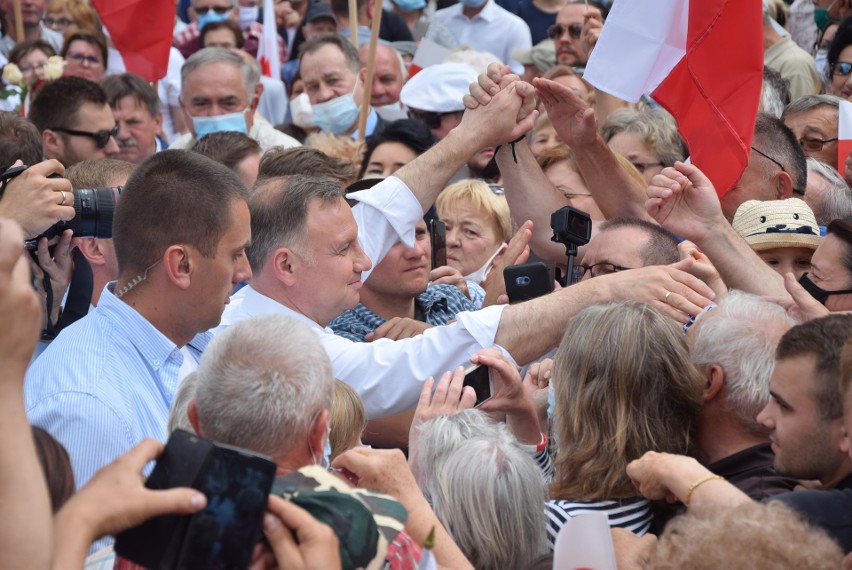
x: 94, y: 210
x: 571, y: 227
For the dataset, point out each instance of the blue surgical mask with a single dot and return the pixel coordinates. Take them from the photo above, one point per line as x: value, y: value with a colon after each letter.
x: 210, y: 17
x: 821, y: 62
x: 473, y: 3
x: 336, y: 115
x: 410, y: 5
x: 232, y: 122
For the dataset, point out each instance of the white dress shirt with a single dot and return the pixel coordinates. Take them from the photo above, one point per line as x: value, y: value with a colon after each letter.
x: 494, y: 30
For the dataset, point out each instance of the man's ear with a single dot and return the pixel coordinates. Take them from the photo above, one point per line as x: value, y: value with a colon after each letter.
x: 255, y: 101
x: 179, y: 265
x: 91, y: 250
x: 318, y: 434
x: 187, y: 118
x: 783, y: 185
x: 53, y: 144
x: 286, y: 265
x: 192, y: 413
x: 714, y: 381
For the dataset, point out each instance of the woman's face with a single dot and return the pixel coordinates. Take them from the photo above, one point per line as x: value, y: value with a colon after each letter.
x: 784, y: 260
x: 387, y: 158
x: 634, y: 148
x: 32, y: 66
x: 84, y: 60
x: 829, y: 272
x: 576, y: 85
x: 563, y: 176
x: 841, y: 85
x: 472, y: 237
x: 543, y: 139
x: 59, y: 21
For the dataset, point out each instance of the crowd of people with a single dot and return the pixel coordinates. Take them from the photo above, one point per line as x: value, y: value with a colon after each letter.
x: 249, y: 258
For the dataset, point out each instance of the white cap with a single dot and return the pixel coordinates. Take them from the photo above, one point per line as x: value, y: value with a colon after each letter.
x: 438, y: 88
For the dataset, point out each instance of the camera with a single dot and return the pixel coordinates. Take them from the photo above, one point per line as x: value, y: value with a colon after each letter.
x: 94, y: 210
x: 571, y: 227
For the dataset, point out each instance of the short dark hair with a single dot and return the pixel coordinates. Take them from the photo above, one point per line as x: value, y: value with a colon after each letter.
x: 174, y: 196
x: 410, y: 132
x: 661, y: 248
x: 98, y: 172
x: 823, y: 339
x: 842, y: 230
x: 302, y: 160
x: 56, y: 466
x: 26, y: 47
x: 19, y: 139
x: 226, y: 147
x: 118, y: 87
x: 279, y: 213
x: 97, y: 40
x: 341, y: 7
x: 353, y: 60
x: 774, y: 138
x: 224, y: 25
x: 56, y: 104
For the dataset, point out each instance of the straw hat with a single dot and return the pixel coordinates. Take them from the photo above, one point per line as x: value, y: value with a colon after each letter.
x: 777, y: 223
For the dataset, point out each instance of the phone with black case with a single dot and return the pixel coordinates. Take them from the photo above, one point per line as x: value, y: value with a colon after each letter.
x: 478, y: 377
x: 236, y: 483
x: 438, y: 236
x: 528, y: 280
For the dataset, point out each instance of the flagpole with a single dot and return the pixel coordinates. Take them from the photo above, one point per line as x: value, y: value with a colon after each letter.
x: 19, y: 22
x: 353, y: 22
x: 371, y: 60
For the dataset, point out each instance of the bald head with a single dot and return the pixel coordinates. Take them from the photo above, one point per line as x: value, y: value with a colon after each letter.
x: 389, y: 74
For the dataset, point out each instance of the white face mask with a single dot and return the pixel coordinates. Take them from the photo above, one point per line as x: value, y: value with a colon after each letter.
x: 301, y: 111
x: 821, y: 62
x: 480, y: 274
x: 247, y: 16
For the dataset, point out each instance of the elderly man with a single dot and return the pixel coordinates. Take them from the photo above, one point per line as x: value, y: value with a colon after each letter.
x: 828, y: 194
x: 329, y: 66
x: 622, y: 244
x: 813, y: 119
x: 311, y: 252
x: 220, y: 92
x: 75, y: 121
x: 136, y: 108
x: 107, y: 381
x: 32, y: 12
x: 389, y: 75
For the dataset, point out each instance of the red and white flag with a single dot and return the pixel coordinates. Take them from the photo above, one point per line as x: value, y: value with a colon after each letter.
x: 700, y: 59
x: 267, y: 51
x: 844, y: 134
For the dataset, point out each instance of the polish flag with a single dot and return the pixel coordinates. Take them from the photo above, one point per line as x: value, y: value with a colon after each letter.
x: 267, y: 51
x: 844, y: 134
x: 142, y: 32
x: 700, y: 59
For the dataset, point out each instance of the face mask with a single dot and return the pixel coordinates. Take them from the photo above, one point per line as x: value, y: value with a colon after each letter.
x: 821, y: 17
x: 336, y: 115
x: 247, y: 16
x: 301, y: 111
x: 480, y: 274
x: 410, y: 5
x: 473, y: 3
x: 821, y: 62
x: 210, y: 17
x: 232, y: 122
x: 818, y: 292
x: 325, y: 461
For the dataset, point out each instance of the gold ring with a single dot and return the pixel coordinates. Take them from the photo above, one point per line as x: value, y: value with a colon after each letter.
x: 64, y: 198
x: 666, y: 298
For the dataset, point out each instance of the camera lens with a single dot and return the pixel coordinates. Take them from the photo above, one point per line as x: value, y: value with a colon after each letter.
x: 95, y: 208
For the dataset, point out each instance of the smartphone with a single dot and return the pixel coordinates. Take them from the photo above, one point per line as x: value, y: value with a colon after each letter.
x: 478, y: 377
x: 438, y: 236
x: 528, y: 280
x: 235, y: 482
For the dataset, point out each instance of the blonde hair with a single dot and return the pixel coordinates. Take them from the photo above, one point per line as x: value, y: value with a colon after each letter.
x: 84, y: 16
x: 481, y: 198
x: 563, y: 152
x: 338, y: 147
x: 624, y: 384
x: 346, y: 417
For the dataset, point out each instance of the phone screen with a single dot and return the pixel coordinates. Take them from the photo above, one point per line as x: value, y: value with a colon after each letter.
x: 224, y: 534
x: 478, y: 377
x: 438, y: 235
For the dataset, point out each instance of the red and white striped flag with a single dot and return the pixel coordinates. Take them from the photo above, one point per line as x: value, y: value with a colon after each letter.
x: 700, y: 59
x: 267, y: 51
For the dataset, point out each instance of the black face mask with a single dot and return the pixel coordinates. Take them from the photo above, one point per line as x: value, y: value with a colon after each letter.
x: 818, y: 292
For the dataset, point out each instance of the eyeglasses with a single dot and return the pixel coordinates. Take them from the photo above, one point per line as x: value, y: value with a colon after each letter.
x: 779, y: 165
x: 80, y: 58
x: 643, y: 166
x: 31, y: 68
x: 556, y: 31
x: 218, y: 9
x: 842, y: 68
x: 57, y: 22
x: 597, y: 269
x: 431, y: 118
x: 814, y: 144
x: 102, y: 138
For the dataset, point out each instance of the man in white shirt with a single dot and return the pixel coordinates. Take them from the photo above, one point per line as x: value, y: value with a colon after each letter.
x: 485, y: 26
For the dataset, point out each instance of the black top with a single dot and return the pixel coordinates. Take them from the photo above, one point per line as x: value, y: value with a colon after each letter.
x: 751, y: 471
x: 829, y: 510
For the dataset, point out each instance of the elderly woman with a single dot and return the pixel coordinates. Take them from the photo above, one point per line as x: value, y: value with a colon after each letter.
x: 648, y: 138
x: 623, y: 384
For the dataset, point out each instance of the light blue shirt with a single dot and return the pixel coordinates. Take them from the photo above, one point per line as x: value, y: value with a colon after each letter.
x: 105, y: 383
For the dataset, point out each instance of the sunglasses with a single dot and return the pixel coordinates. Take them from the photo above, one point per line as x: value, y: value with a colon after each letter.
x: 814, y: 144
x: 556, y: 31
x: 218, y: 9
x: 101, y: 138
x: 842, y: 68
x: 431, y: 118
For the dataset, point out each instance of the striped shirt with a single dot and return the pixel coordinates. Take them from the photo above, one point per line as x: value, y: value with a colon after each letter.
x: 104, y: 384
x: 633, y: 514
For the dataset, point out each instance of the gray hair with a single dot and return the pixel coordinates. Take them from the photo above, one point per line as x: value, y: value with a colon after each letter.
x: 775, y: 93
x: 656, y: 127
x: 206, y: 56
x: 485, y: 489
x: 350, y: 52
x: 279, y: 214
x: 262, y: 383
x: 178, y: 418
x: 837, y: 197
x: 741, y: 336
x: 809, y: 102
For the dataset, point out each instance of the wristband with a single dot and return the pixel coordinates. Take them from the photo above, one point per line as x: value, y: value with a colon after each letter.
x: 512, y: 144
x: 698, y: 483
x: 530, y: 448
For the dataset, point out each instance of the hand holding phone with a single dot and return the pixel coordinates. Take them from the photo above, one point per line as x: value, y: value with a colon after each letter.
x: 438, y: 237
x: 478, y: 377
x: 528, y: 281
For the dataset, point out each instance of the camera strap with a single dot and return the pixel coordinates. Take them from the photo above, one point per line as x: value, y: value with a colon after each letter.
x: 79, y: 292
